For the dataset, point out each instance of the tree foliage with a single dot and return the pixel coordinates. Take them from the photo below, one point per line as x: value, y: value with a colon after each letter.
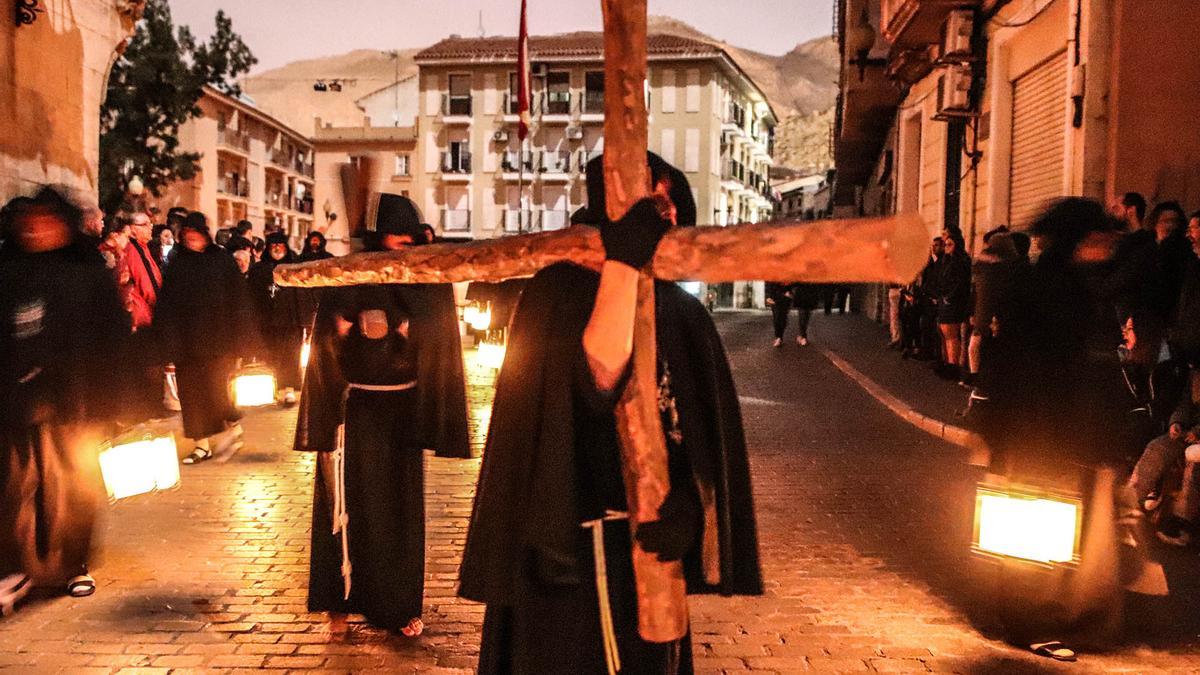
x: 153, y: 89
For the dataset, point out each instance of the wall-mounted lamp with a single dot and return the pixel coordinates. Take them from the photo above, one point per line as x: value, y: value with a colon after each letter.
x: 327, y: 207
x: 860, y: 39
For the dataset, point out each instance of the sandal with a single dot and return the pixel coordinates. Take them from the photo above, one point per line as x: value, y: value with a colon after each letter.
x: 414, y: 628
x: 13, y: 588
x: 81, y: 586
x: 1053, y: 650
x: 198, y: 455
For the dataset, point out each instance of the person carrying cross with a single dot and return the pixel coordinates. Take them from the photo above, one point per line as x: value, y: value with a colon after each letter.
x: 549, y: 546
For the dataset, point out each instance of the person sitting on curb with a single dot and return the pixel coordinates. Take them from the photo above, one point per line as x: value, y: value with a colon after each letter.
x: 1181, y: 442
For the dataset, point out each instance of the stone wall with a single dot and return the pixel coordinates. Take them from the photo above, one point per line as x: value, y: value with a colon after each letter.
x: 53, y: 75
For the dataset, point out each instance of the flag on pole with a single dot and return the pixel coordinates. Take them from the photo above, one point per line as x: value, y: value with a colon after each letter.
x: 523, y: 78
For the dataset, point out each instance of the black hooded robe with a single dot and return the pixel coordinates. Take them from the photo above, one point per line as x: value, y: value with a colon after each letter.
x: 552, y: 462
x: 385, y: 433
x: 206, y: 322
x: 284, y: 314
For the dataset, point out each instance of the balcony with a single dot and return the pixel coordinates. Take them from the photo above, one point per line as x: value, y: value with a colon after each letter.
x: 233, y: 186
x: 456, y: 220
x: 456, y: 165
x: 734, y: 119
x: 232, y: 139
x: 515, y: 221
x: 555, y: 165
x: 916, y: 24
x: 456, y: 109
x: 303, y: 205
x: 282, y: 158
x: 555, y: 219
x: 511, y: 161
x: 556, y: 107
x: 591, y: 106
x: 302, y: 167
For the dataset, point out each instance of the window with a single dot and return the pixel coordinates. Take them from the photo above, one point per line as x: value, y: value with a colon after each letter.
x: 460, y: 95
x: 558, y: 93
x: 510, y: 105
x: 692, y: 94
x: 668, y: 91
x: 402, y: 168
x: 593, y: 94
x: 691, y: 150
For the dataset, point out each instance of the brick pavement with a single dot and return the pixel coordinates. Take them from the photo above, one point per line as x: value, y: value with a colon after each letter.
x: 862, y: 522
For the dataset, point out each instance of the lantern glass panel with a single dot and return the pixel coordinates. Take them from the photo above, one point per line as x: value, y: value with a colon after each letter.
x: 1027, y: 526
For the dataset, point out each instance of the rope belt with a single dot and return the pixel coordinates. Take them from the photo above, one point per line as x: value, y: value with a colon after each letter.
x: 341, y: 518
x: 611, y: 657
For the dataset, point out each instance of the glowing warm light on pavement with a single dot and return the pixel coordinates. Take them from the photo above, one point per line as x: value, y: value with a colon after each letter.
x: 491, y: 354
x: 305, y: 351
x: 1030, y: 528
x: 139, y: 467
x: 253, y: 387
x: 477, y: 318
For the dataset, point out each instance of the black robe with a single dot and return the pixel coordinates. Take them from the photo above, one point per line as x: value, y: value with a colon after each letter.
x: 63, y: 339
x: 384, y: 468
x: 551, y: 461
x: 283, y: 314
x: 206, y: 322
x: 441, y: 388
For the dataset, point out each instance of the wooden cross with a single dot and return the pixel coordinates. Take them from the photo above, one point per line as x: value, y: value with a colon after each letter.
x: 891, y: 249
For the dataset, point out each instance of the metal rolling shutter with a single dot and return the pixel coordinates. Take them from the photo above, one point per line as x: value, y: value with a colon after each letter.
x: 1039, y: 129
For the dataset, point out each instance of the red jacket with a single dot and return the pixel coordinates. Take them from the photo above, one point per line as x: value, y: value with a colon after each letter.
x: 144, y: 281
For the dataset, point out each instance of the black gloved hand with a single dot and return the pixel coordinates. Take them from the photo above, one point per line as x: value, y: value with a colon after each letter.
x: 678, y: 525
x: 633, y: 239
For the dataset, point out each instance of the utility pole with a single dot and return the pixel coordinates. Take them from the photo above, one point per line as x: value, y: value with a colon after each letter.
x: 395, y: 56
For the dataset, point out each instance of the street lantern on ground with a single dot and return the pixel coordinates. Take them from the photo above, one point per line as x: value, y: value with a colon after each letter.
x: 478, y: 317
x: 139, y: 462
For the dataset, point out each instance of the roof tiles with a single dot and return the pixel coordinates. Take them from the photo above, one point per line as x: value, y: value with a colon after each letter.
x: 581, y: 45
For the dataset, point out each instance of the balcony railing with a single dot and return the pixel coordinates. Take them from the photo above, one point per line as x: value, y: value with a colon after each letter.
x: 513, y: 220
x: 456, y: 105
x: 282, y: 158
x: 302, y: 167
x: 234, y: 187
x: 510, y: 161
x: 555, y: 219
x: 592, y: 102
x: 456, y: 220
x: 303, y: 205
x: 733, y: 170
x: 456, y: 162
x: 556, y: 103
x: 555, y: 161
x: 232, y: 138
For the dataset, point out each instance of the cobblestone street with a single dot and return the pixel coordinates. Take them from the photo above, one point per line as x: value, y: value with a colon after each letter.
x: 864, y: 522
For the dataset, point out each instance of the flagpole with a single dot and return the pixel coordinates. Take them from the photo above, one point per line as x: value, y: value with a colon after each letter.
x: 523, y: 114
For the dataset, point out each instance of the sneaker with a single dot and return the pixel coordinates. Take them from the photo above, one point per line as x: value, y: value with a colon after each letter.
x: 1175, y: 531
x: 802, y: 341
x: 777, y: 343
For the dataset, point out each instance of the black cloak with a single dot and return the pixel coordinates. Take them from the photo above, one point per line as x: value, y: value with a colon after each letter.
x: 441, y: 389
x: 526, y: 505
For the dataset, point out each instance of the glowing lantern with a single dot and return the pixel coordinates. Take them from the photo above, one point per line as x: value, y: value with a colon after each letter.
x: 141, y: 463
x: 1023, y: 524
x: 253, y: 386
x: 478, y: 318
x: 491, y: 354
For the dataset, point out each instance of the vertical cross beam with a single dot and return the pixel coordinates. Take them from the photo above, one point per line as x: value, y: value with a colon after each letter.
x: 661, y: 591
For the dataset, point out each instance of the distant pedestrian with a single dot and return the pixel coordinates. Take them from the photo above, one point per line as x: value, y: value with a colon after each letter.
x: 145, y: 277
x: 781, y: 298
x: 954, y: 302
x: 162, y: 245
x: 206, y: 323
x: 239, y: 238
x: 62, y: 327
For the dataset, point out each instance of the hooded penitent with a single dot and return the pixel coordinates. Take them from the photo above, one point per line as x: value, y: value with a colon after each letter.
x: 551, y: 462
x: 314, y: 248
x: 283, y: 313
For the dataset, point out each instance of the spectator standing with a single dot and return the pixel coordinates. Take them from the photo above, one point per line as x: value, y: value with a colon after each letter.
x: 162, y: 245
x: 145, y: 277
x: 954, y: 302
x: 992, y: 276
x: 1130, y: 211
x: 239, y: 238
x: 926, y: 297
x: 206, y: 322
x: 62, y: 327
x: 283, y: 315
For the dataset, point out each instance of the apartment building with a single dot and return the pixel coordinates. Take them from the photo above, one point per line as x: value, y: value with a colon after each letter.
x: 252, y: 167
x: 976, y: 113
x: 474, y: 179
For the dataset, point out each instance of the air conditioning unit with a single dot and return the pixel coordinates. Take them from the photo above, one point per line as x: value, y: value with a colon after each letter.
x: 954, y: 92
x: 956, y: 35
x: 500, y: 136
x: 575, y: 133
x: 537, y: 70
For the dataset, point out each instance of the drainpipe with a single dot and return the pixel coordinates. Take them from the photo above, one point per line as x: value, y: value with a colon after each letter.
x: 1076, y: 72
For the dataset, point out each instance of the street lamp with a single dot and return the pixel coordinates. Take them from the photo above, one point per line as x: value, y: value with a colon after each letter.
x: 136, y: 187
x: 860, y: 40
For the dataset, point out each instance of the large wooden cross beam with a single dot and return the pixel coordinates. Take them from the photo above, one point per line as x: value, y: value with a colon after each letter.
x: 871, y: 250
